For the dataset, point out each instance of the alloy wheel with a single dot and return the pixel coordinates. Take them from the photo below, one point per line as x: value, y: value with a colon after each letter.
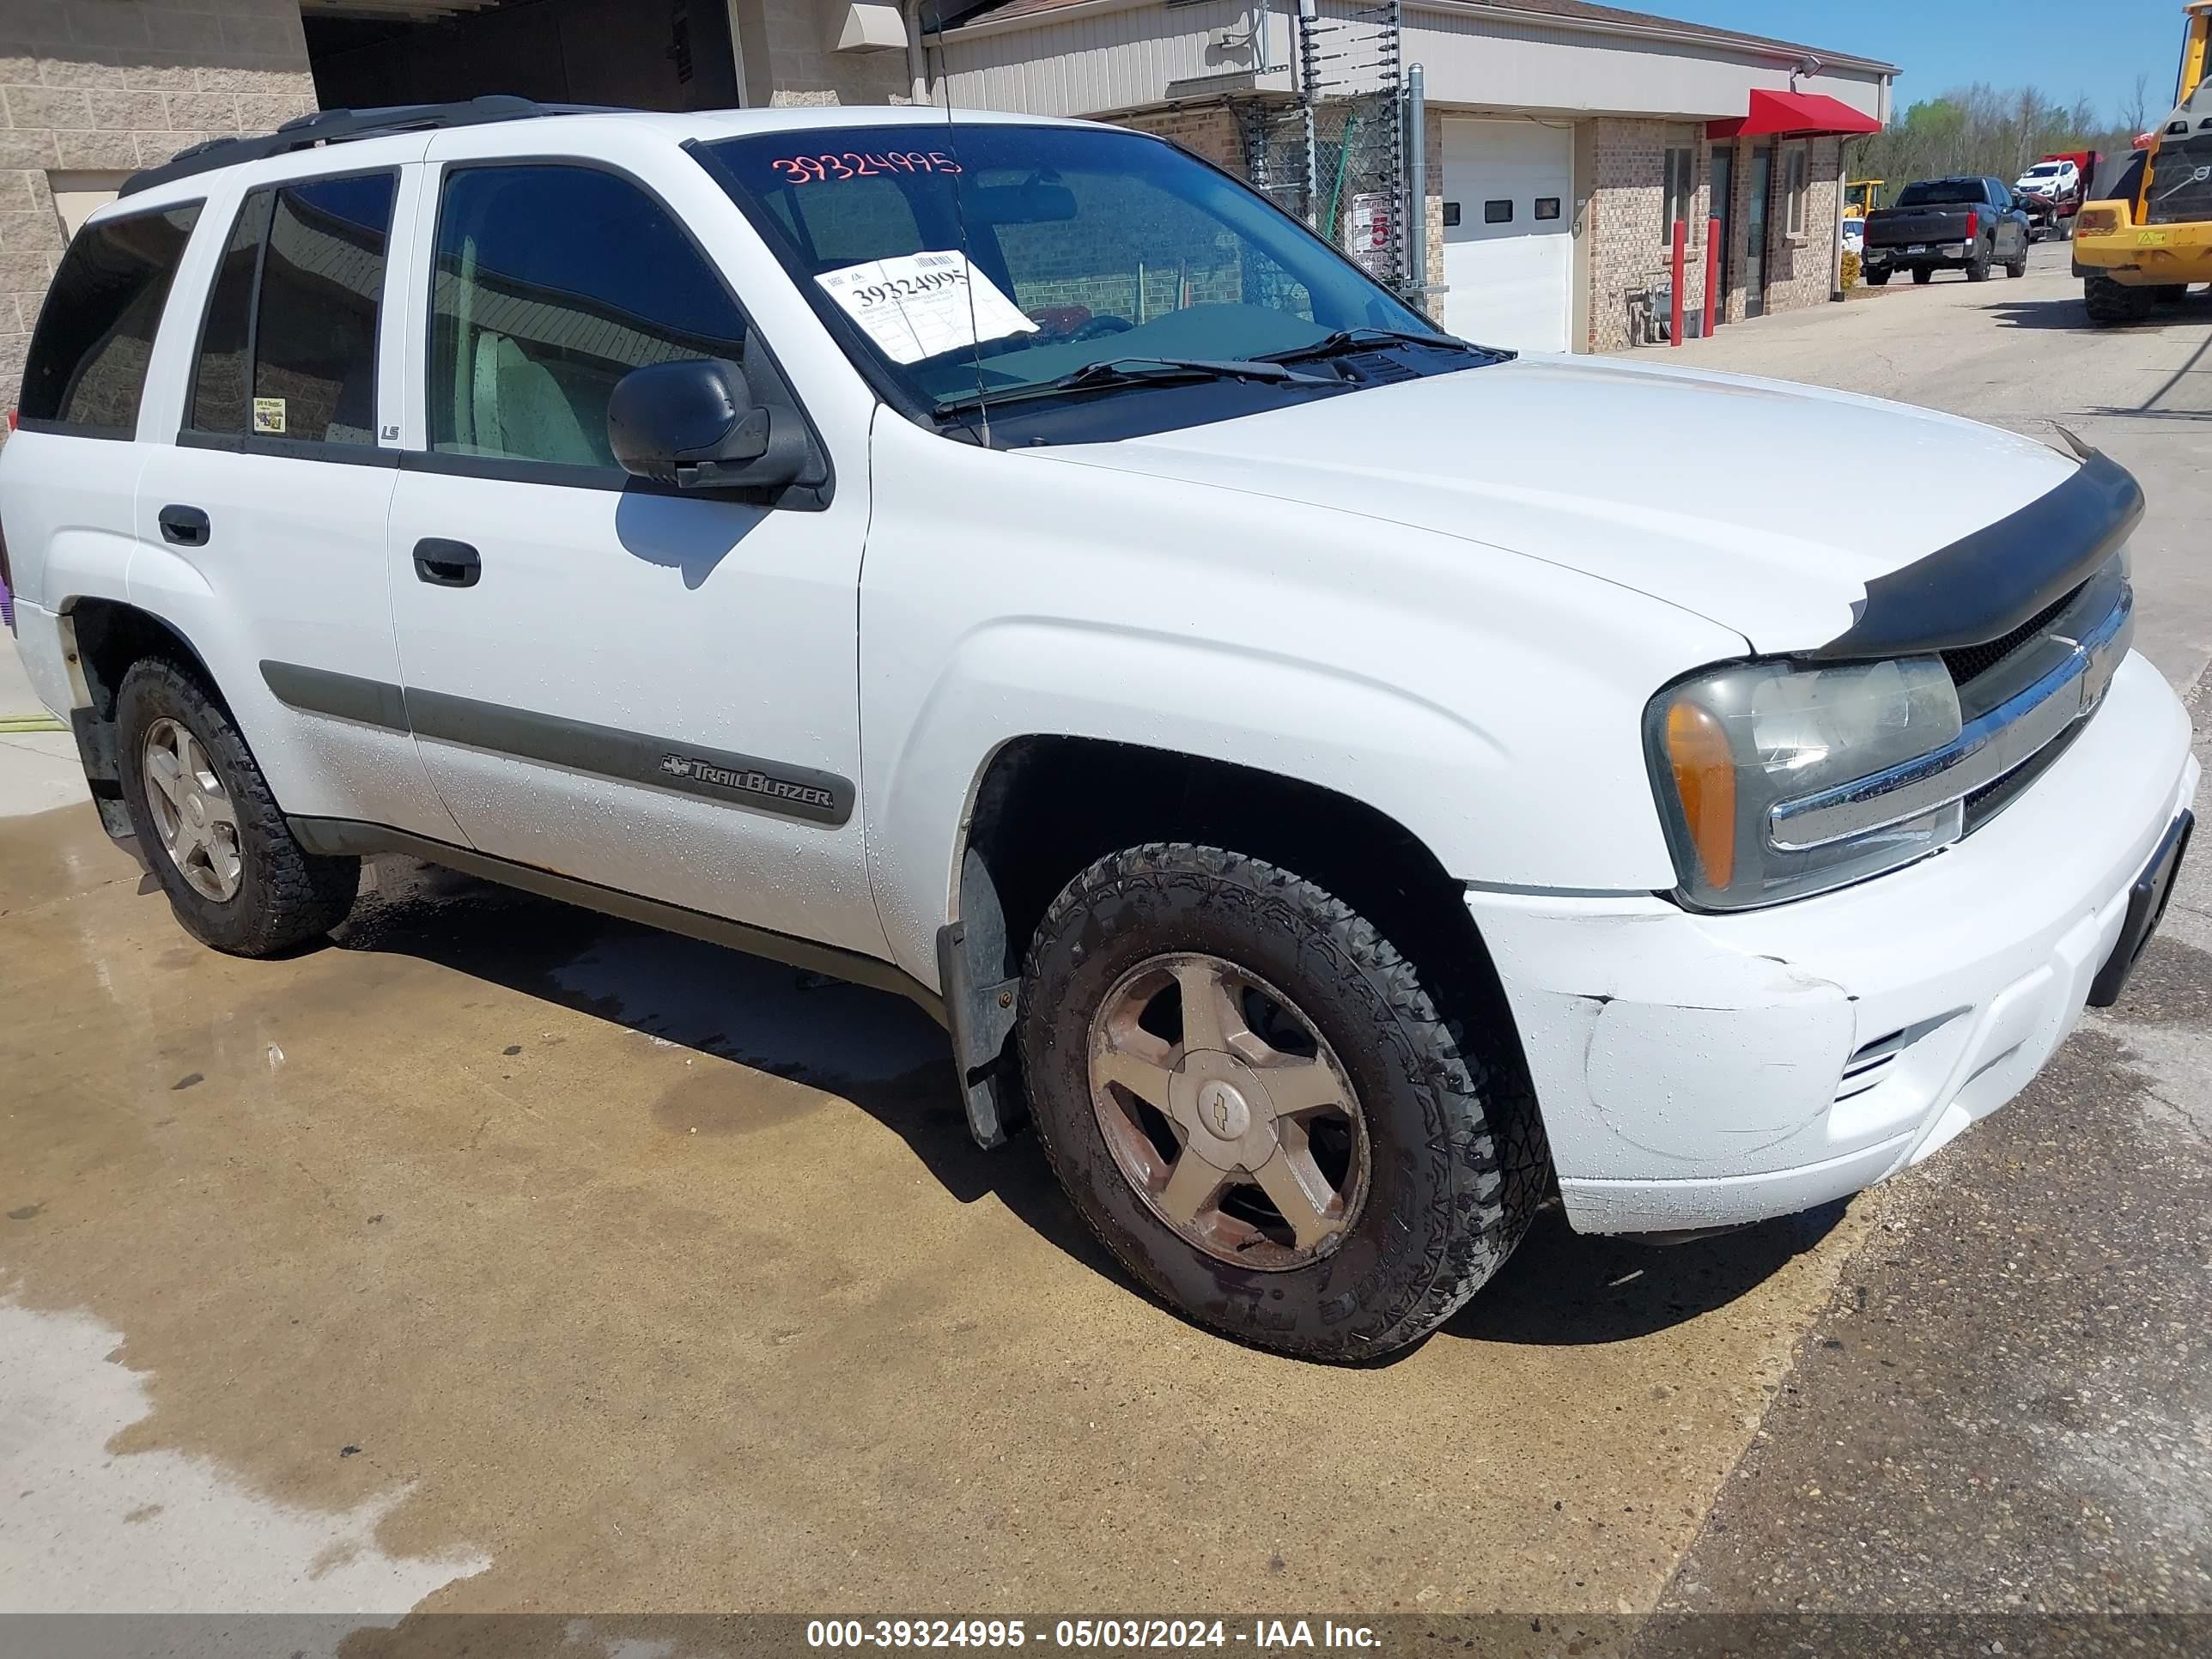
x: 1227, y: 1111
x: 192, y: 812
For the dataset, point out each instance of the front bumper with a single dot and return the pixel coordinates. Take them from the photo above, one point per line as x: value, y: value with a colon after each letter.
x: 2148, y: 254
x: 1696, y: 1071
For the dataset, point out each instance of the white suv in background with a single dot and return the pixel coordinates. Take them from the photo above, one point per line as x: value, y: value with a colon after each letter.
x: 2053, y: 180
x: 1338, y: 782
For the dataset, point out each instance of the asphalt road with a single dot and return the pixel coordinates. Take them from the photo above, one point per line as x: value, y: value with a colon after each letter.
x: 500, y: 1258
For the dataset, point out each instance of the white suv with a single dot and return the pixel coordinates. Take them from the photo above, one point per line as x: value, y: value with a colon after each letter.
x: 1340, y: 783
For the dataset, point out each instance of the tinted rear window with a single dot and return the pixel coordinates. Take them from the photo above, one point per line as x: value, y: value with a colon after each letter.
x: 287, y: 351
x: 1943, y: 192
x: 87, y: 366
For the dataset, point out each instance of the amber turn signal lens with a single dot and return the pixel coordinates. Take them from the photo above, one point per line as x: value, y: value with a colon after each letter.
x: 1705, y: 781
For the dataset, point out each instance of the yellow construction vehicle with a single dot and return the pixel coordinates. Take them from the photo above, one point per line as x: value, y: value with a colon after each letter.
x: 2147, y: 235
x: 1860, y: 197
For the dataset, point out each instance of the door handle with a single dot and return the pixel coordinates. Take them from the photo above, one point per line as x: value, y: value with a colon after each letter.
x: 187, y: 526
x: 444, y: 563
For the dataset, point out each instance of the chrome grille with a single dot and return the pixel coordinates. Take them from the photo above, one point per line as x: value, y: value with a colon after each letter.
x: 1970, y: 662
x: 2019, y: 712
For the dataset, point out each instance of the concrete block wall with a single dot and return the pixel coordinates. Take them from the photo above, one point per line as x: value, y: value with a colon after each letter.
x: 802, y: 70
x: 99, y: 88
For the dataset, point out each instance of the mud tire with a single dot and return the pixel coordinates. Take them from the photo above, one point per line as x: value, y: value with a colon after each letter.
x: 1458, y: 1162
x: 287, y: 896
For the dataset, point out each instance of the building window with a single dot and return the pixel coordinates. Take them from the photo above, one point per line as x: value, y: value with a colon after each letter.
x: 1547, y: 207
x: 1682, y: 189
x: 1793, y: 190
x: 1498, y: 213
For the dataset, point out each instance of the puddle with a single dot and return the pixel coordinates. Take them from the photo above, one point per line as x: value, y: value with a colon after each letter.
x: 83, y: 1529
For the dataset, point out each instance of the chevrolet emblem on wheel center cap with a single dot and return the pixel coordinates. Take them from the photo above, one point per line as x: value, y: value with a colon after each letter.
x: 1222, y: 1110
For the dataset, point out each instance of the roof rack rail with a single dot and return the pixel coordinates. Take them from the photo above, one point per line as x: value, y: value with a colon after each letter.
x: 336, y: 126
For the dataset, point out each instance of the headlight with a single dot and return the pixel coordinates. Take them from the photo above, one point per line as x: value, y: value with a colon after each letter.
x: 1729, y: 745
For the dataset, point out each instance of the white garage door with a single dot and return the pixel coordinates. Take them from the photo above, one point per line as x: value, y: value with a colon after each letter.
x: 1509, y: 262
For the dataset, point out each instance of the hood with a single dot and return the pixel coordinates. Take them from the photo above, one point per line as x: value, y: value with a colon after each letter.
x: 1760, y: 505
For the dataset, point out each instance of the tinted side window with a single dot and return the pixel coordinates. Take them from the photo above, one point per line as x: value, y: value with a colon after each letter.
x: 87, y: 368
x: 314, y: 331
x: 220, y: 379
x: 552, y: 282
x: 289, y: 349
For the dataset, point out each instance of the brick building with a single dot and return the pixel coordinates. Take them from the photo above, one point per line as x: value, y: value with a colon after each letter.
x: 1562, y: 139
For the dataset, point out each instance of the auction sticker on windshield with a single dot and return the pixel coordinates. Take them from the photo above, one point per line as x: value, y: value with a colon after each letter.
x: 922, y: 305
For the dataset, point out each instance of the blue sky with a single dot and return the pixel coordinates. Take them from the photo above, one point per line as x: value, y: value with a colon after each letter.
x: 2069, y: 48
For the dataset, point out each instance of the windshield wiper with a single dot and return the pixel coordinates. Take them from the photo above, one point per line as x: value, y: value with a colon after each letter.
x: 1345, y: 341
x: 1138, y: 371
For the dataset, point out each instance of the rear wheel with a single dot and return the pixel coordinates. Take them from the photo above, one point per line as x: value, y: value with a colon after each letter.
x: 1977, y: 266
x: 1253, y: 1101
x: 2109, y: 301
x: 1923, y: 275
x: 210, y: 829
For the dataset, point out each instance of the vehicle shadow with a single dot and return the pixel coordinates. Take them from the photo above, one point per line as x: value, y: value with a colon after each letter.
x: 2068, y: 314
x: 1564, y: 1288
x: 887, y: 1058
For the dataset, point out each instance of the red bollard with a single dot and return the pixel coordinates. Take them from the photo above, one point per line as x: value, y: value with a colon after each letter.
x: 1712, y: 270
x: 1681, y: 252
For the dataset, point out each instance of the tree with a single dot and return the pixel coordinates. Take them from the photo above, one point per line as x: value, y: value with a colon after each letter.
x: 1981, y: 129
x: 2137, y: 116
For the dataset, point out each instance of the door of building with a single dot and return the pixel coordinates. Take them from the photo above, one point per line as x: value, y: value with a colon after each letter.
x: 1509, y: 256
x: 1724, y: 183
x: 1754, y: 240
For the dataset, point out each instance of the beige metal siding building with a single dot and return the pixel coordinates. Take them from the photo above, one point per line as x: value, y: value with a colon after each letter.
x: 1562, y: 138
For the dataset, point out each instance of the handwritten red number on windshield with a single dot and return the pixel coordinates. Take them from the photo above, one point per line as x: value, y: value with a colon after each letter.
x: 807, y: 169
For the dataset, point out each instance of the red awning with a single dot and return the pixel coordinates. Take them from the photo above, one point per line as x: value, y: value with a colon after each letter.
x: 1791, y: 115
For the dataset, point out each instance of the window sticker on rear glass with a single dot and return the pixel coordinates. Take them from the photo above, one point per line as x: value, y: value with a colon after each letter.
x: 922, y: 304
x: 268, y: 416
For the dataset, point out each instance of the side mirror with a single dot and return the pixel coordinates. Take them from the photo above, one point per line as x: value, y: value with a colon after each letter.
x: 696, y: 424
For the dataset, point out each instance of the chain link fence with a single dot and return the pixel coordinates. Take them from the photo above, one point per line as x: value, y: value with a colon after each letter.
x: 1338, y: 160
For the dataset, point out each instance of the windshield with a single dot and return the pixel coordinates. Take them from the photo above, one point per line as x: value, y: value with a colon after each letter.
x: 2048, y: 170
x: 1943, y: 192
x: 995, y: 259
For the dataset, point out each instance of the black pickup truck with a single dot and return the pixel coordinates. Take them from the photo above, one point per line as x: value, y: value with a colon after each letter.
x: 1955, y: 224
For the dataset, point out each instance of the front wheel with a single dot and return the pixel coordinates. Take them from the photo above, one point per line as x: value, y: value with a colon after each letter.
x: 210, y: 830
x: 2017, y: 266
x: 2108, y: 302
x: 1255, y: 1103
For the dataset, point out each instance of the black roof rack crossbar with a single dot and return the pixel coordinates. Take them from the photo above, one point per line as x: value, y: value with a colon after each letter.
x: 336, y: 126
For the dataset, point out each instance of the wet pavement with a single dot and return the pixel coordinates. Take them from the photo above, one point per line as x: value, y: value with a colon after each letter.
x: 511, y: 1259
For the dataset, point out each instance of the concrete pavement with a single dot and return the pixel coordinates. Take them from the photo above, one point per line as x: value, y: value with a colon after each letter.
x: 39, y: 769
x: 499, y: 1257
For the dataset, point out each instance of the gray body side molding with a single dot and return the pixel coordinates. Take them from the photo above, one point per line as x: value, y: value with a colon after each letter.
x: 717, y: 774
